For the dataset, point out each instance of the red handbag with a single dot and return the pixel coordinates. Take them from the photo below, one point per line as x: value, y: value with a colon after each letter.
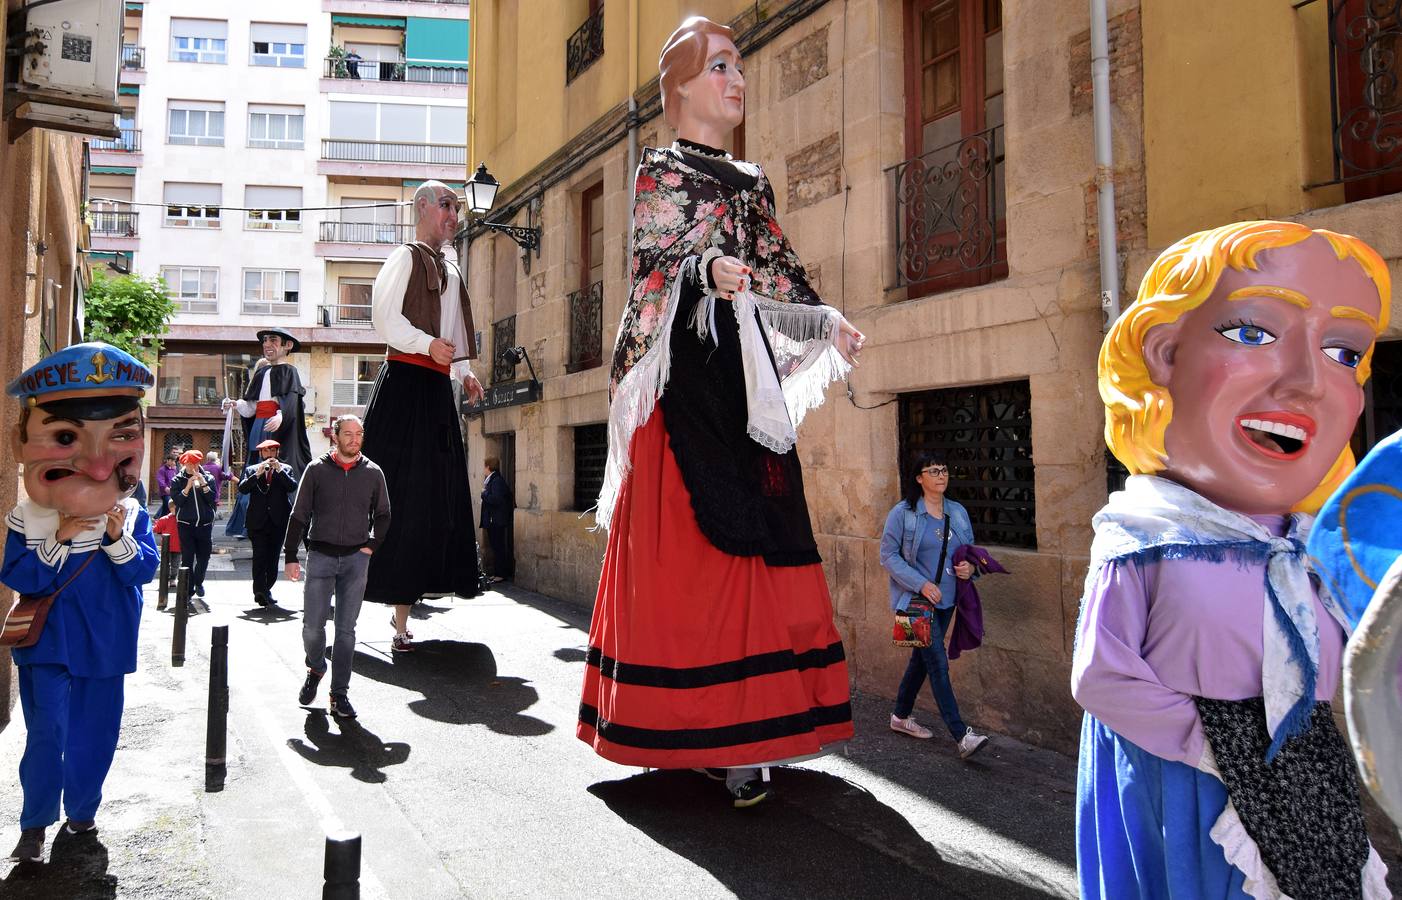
x: 25, y: 624
x: 912, y: 627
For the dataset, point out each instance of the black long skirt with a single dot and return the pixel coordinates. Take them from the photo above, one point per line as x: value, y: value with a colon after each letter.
x: 412, y: 433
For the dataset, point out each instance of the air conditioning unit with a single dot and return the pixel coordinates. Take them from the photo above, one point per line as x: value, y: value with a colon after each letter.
x: 68, y: 55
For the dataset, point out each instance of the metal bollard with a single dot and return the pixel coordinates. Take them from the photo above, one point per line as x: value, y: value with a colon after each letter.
x: 342, y: 870
x: 217, y: 729
x: 165, y: 573
x: 182, y: 617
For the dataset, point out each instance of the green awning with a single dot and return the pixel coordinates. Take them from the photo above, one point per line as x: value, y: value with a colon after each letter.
x: 114, y: 170
x: 136, y: 7
x: 370, y: 21
x: 436, y: 42
x: 132, y: 89
x: 415, y: 182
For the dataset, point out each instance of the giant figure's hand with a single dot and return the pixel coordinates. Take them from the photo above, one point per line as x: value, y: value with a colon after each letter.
x: 849, y: 341
x: 225, y: 405
x: 442, y: 351
x: 729, y: 275
x: 472, y: 387
x: 274, y: 423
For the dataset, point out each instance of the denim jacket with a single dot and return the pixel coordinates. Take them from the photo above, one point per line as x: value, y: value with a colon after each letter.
x: 900, y: 540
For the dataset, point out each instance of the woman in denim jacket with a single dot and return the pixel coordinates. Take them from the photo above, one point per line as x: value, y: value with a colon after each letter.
x: 910, y: 552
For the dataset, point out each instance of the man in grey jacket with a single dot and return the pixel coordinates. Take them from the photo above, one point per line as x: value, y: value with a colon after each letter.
x: 342, y: 508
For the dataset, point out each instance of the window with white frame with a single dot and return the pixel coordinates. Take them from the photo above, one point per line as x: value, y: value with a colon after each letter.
x: 271, y: 292
x: 193, y: 205
x: 283, y: 46
x: 194, y: 289
x: 275, y: 127
x: 199, y: 41
x: 273, y: 208
x: 197, y: 122
x: 352, y: 377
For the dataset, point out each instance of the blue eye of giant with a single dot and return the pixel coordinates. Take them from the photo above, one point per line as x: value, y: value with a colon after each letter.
x: 1251, y: 335
x: 1344, y: 355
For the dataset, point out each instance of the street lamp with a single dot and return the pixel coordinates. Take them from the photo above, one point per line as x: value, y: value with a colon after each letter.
x: 481, y: 194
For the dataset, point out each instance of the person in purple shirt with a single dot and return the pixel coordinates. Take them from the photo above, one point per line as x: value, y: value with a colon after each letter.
x: 1206, y: 653
x: 164, y: 475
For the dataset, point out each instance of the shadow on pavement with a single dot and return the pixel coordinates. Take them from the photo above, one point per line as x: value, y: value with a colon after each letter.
x: 460, y: 686
x: 571, y: 654
x: 354, y: 748
x: 858, y: 848
x: 76, y: 870
x: 268, y: 615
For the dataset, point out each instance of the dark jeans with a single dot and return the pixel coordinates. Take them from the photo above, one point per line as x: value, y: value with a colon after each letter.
x: 932, y: 661
x: 195, y: 544
x: 503, y: 563
x: 345, y: 577
x: 165, y: 506
x: 267, y: 557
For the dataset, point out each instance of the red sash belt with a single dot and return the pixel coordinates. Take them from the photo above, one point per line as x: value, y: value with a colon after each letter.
x: 265, y: 409
x: 419, y: 359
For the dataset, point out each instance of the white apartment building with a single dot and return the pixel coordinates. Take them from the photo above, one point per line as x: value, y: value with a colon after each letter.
x: 268, y: 150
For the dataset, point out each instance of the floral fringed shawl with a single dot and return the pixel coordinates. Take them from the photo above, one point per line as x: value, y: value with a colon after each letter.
x: 680, y: 213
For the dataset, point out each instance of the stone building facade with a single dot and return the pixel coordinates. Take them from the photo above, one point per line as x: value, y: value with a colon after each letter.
x: 43, y: 270
x: 982, y: 330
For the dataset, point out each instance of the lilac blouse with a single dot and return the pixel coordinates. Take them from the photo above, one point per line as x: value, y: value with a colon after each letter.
x: 1153, y: 636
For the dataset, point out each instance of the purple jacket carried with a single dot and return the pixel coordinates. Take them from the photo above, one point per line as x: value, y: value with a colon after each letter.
x: 967, y: 631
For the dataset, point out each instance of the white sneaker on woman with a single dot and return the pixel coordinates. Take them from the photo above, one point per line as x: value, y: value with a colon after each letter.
x: 971, y: 743
x: 909, y: 726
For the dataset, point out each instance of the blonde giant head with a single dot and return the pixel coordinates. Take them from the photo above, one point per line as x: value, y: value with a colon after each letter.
x: 1138, y: 411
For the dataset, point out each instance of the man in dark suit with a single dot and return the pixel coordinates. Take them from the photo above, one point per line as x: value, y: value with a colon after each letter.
x: 270, y: 485
x: 496, y: 519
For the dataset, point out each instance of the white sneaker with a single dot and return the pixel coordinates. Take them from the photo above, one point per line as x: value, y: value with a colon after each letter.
x: 970, y: 743
x: 911, y: 727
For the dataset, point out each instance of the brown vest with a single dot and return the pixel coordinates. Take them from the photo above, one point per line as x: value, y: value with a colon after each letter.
x: 427, y: 276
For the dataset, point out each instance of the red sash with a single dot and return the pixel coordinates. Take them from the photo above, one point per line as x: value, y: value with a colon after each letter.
x: 419, y: 359
x: 265, y: 409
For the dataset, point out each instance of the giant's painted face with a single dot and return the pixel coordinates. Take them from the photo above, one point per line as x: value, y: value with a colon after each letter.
x: 1263, y: 377
x: 275, y: 349
x: 716, y: 96
x: 80, y: 467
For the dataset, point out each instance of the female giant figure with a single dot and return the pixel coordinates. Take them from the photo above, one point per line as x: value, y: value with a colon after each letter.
x: 712, y: 643
x: 1207, y: 654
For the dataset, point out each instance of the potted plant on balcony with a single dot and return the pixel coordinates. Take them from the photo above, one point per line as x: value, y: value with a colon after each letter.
x: 337, y: 57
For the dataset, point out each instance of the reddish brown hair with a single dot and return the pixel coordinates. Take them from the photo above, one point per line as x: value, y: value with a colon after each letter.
x: 683, y: 57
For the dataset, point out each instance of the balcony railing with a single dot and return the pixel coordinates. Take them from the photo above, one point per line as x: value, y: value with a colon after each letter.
x: 114, y: 223
x: 380, y: 70
x: 128, y: 142
x: 133, y: 57
x: 586, y: 328
x: 949, y: 214
x: 585, y: 45
x: 342, y: 150
x: 366, y: 232
x: 1366, y: 100
x: 344, y: 315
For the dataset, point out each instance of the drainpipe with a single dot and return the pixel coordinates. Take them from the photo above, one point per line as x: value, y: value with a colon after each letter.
x: 1104, y: 162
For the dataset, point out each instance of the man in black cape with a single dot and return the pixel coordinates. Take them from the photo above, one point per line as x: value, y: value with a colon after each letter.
x: 412, y: 427
x: 272, y: 406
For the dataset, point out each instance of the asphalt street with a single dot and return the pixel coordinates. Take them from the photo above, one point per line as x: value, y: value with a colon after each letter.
x: 465, y: 779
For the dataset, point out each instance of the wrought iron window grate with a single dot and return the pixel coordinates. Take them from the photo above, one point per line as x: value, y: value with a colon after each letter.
x: 586, y: 328
x: 1365, y: 89
x: 585, y: 45
x: 985, y: 433
x: 591, y: 448
x: 948, y: 210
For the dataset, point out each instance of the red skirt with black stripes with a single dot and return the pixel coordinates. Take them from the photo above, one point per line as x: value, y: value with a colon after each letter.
x: 699, y: 658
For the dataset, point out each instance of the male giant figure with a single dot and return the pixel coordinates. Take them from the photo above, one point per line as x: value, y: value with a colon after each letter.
x: 272, y: 407
x: 78, y: 533
x: 412, y: 428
